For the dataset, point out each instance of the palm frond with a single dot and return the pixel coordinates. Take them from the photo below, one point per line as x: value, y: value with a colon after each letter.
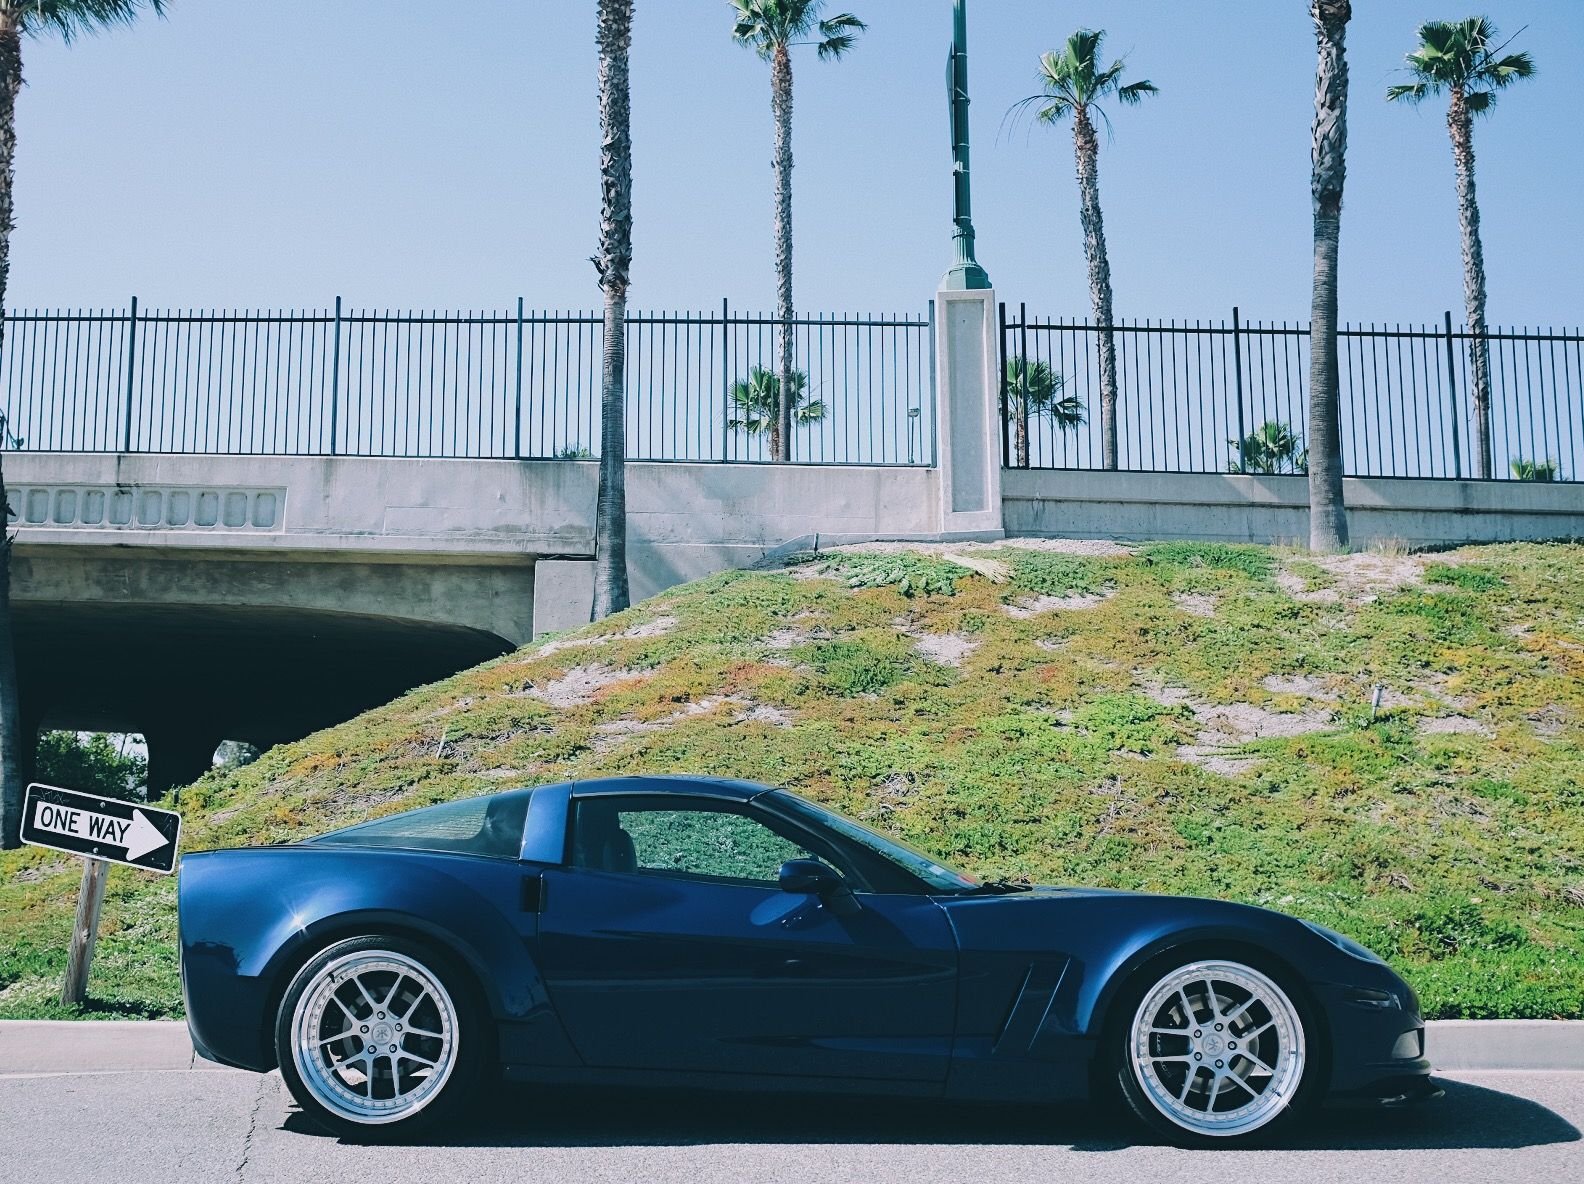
x: 1134, y: 93
x: 1071, y: 81
x: 832, y: 48
x: 1411, y: 92
x: 1480, y: 102
x: 1463, y: 57
x: 1507, y: 70
x: 71, y: 18
x: 766, y: 26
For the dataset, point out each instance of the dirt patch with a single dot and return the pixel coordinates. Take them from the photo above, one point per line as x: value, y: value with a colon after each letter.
x: 1454, y: 725
x: 43, y: 871
x: 607, y: 735
x: 1218, y: 760
x: 657, y: 627
x: 1225, y: 726
x: 1034, y: 606
x: 1303, y: 685
x: 1365, y: 576
x: 1298, y: 588
x: 957, y: 552
x: 1195, y: 604
x: 580, y: 685
x: 944, y: 649
x: 1548, y: 722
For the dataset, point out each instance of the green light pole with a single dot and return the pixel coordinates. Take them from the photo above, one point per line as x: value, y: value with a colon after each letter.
x: 966, y: 274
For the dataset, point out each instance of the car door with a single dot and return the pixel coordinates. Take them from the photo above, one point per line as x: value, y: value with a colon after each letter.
x: 666, y: 943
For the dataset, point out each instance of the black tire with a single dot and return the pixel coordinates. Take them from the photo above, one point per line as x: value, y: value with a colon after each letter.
x: 471, y: 1038
x: 1284, y: 1112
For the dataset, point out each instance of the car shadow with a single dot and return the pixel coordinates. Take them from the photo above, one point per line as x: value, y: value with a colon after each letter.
x: 1470, y: 1116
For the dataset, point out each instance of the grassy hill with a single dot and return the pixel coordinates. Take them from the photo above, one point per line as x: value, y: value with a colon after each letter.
x: 1183, y: 718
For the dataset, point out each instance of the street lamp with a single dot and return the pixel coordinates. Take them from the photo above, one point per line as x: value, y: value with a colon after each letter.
x: 965, y: 274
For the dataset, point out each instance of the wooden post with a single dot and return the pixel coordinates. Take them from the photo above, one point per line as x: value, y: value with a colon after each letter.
x: 90, y: 899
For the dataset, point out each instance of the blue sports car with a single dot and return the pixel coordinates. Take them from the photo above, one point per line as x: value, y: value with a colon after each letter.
x: 692, y: 931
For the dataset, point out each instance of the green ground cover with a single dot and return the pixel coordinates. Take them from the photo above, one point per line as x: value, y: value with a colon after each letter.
x: 1181, y: 718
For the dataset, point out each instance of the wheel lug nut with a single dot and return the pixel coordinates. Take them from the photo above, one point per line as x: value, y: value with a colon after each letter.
x: 1197, y: 1033
x: 1231, y: 1043
x: 1218, y: 1027
x: 393, y: 1048
x: 1197, y: 1057
x: 381, y: 1015
x: 371, y: 1048
x: 365, y: 1027
x: 1218, y: 1064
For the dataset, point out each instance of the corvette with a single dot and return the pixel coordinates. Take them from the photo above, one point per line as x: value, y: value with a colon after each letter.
x: 702, y: 932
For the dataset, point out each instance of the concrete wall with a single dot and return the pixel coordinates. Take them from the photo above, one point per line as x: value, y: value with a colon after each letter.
x: 1245, y: 509
x: 425, y: 540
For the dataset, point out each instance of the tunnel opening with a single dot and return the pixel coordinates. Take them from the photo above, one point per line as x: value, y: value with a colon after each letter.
x: 189, y: 677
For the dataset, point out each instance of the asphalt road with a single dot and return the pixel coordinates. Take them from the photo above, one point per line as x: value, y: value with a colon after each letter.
x: 152, y: 1126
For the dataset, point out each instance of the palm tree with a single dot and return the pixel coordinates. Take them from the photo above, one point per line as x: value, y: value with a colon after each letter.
x: 1033, y: 389
x: 1073, y: 83
x: 1328, y: 526
x: 613, y: 38
x: 1465, y: 60
x: 20, y: 18
x: 759, y: 405
x: 772, y: 29
x: 1271, y: 448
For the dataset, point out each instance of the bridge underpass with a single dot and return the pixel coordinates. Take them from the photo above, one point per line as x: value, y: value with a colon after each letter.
x: 189, y: 676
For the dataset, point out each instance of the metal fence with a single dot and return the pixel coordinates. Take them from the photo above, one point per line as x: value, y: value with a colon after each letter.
x: 515, y: 383
x: 1220, y: 396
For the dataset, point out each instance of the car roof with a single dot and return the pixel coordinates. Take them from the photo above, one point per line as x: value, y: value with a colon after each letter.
x: 692, y: 786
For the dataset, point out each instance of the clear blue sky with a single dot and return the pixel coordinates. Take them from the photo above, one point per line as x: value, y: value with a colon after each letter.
x: 412, y: 154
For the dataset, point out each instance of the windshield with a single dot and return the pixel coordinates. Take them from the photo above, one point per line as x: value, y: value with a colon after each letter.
x: 937, y: 875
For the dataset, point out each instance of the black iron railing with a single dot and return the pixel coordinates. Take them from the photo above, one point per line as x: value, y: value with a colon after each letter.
x: 514, y: 383
x: 1225, y: 396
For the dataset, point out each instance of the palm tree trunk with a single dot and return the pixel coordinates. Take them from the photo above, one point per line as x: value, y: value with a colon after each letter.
x: 1022, y: 442
x: 13, y: 758
x: 615, y: 266
x: 781, y: 105
x: 1328, y: 527
x: 1460, y: 122
x: 1087, y: 150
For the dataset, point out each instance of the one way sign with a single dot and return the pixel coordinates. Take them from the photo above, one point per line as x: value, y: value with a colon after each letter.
x: 101, y: 828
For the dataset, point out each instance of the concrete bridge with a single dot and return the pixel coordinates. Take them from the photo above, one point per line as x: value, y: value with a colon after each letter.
x: 198, y: 598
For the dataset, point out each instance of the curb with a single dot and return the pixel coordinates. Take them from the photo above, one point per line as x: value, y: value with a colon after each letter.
x: 30, y: 1048
x: 34, y: 1047
x: 1453, y: 1045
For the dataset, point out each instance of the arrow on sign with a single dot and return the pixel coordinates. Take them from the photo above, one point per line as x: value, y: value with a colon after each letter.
x: 138, y: 835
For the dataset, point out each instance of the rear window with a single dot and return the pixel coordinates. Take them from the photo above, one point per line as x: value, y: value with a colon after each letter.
x: 491, y: 826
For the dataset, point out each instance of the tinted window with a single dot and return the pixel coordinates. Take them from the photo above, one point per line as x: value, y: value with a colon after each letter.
x: 475, y: 826
x: 668, y: 838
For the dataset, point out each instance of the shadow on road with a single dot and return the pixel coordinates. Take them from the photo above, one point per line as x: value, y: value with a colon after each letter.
x: 520, y: 1116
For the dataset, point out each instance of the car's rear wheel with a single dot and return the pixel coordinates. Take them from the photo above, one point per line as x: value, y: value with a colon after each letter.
x: 378, y: 1037
x: 1216, y: 1053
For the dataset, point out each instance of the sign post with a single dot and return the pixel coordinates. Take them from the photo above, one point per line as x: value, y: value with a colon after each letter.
x: 103, y: 831
x: 90, y: 900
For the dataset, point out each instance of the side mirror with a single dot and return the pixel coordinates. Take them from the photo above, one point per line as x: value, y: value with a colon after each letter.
x: 810, y: 877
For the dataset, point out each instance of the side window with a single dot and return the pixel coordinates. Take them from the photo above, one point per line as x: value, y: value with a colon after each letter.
x: 666, y: 837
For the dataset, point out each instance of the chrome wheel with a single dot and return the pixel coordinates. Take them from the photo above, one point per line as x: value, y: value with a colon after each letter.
x: 375, y: 1036
x: 1218, y: 1048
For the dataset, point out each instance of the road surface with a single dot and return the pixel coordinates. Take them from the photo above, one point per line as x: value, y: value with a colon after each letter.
x: 158, y: 1127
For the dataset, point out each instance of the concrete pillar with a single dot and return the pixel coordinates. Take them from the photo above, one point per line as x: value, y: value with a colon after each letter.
x: 178, y: 755
x: 969, y: 388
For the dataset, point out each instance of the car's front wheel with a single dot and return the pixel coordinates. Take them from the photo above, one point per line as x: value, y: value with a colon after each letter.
x: 1216, y: 1053
x: 378, y: 1036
